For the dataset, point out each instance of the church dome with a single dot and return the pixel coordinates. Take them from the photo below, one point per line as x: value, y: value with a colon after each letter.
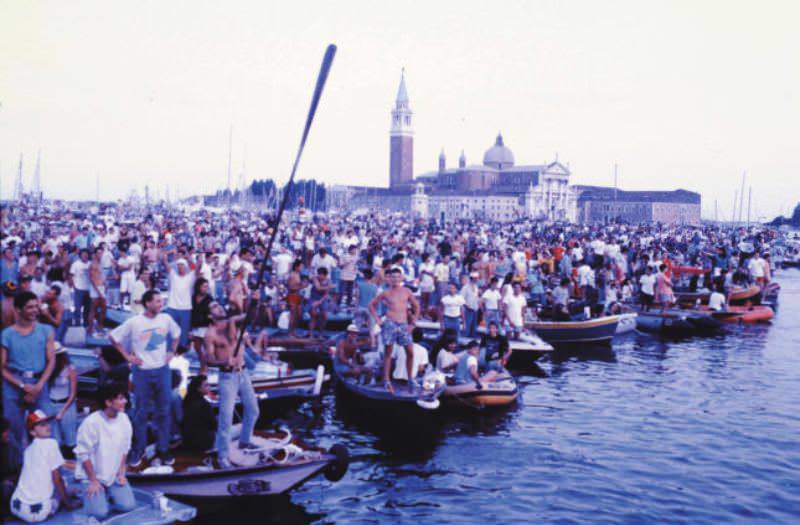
x: 498, y: 156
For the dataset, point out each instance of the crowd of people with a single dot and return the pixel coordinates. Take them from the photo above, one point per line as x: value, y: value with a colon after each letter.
x: 190, y: 276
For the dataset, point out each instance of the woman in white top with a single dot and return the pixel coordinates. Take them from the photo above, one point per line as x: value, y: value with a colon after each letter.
x: 63, y: 396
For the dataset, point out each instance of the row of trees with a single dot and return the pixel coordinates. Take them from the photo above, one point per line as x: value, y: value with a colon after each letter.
x: 266, y: 194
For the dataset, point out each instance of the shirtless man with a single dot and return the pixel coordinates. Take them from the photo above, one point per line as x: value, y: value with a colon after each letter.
x: 97, y: 293
x: 220, y: 341
x: 293, y: 297
x: 396, y: 327
x: 348, y: 359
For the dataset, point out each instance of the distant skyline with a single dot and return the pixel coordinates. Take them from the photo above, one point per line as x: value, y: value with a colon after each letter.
x: 679, y: 94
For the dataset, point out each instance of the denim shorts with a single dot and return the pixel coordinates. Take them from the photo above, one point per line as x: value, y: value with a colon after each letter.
x: 393, y: 332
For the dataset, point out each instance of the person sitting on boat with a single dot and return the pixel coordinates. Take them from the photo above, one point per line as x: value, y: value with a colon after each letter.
x: 421, y: 361
x: 220, y: 340
x: 446, y: 359
x: 467, y: 369
x: 35, y: 497
x: 104, y: 440
x: 497, y: 351
x: 349, y: 361
x: 717, y: 301
x: 561, y: 300
x: 199, y: 426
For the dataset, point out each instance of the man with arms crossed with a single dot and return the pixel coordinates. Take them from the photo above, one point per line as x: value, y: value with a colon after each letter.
x: 396, y: 328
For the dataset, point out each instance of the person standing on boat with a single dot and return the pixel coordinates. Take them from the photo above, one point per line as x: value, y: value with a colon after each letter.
x: 142, y: 341
x: 79, y: 282
x: 97, y: 294
x: 664, y: 293
x: 347, y: 277
x: 234, y: 380
x: 647, y: 291
x: 395, y: 327
x: 515, y: 306
x: 293, y: 298
x: 179, y: 303
x: 27, y: 359
x: 471, y: 294
x: 451, y: 310
x: 104, y: 439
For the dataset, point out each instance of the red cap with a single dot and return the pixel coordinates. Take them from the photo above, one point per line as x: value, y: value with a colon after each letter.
x: 36, y: 417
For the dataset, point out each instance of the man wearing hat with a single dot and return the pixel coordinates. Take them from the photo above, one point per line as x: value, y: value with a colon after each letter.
x: 34, y: 498
x: 349, y: 361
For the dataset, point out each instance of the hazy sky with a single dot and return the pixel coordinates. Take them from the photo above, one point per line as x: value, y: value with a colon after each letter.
x: 681, y: 94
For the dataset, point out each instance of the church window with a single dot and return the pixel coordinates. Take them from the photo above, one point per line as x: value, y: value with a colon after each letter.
x: 408, y: 120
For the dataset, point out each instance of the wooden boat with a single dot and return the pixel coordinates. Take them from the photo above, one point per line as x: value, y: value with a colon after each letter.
x: 273, y: 383
x: 677, y: 323
x: 599, y: 330
x: 739, y: 296
x: 301, y: 352
x: 151, y: 508
x: 280, y: 464
x: 336, y: 321
x: 117, y: 316
x: 743, y: 314
x: 406, y: 398
x: 627, y: 323
x: 501, y: 392
x: 527, y: 349
x: 689, y: 270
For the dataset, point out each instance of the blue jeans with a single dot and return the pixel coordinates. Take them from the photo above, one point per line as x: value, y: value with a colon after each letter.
x: 81, y: 304
x: 470, y: 321
x: 452, y: 323
x: 66, y: 430
x: 152, y: 390
x: 62, y: 328
x: 184, y: 320
x: 230, y: 384
x: 121, y: 496
x: 491, y: 316
x: 14, y: 409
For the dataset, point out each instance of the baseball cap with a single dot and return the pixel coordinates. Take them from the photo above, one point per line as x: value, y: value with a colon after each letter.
x: 182, y: 261
x: 352, y: 328
x: 36, y: 417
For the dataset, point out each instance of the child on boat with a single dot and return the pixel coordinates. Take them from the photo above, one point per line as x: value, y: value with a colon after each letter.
x: 35, y: 498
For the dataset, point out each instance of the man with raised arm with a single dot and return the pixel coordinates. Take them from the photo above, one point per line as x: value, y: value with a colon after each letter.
x: 396, y: 328
x: 234, y: 380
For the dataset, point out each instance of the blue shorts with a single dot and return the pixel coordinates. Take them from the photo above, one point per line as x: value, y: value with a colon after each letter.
x: 393, y: 332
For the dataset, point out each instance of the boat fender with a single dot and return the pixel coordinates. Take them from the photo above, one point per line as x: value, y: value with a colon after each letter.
x: 319, y: 379
x: 337, y: 467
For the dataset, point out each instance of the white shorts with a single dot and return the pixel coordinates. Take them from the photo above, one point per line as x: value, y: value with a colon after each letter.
x: 97, y: 294
x: 126, y: 281
x: 199, y: 332
x: 24, y: 511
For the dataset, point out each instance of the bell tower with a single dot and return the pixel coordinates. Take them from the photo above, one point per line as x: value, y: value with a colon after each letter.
x: 401, y: 140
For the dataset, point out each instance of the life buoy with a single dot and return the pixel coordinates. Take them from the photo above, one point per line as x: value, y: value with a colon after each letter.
x: 337, y: 468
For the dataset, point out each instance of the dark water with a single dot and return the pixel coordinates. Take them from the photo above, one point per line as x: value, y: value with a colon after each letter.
x: 691, y: 431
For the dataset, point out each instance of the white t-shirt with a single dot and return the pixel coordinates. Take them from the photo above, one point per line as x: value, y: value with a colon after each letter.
x: 80, y: 274
x: 491, y: 299
x: 716, y: 301
x: 452, y: 305
x: 126, y: 264
x: 756, y: 267
x: 514, y: 306
x: 399, y: 354
x: 104, y: 441
x: 426, y: 280
x: 647, y: 283
x: 41, y: 458
x: 283, y: 262
x: 180, y: 290
x: 442, y: 272
x: 147, y: 338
